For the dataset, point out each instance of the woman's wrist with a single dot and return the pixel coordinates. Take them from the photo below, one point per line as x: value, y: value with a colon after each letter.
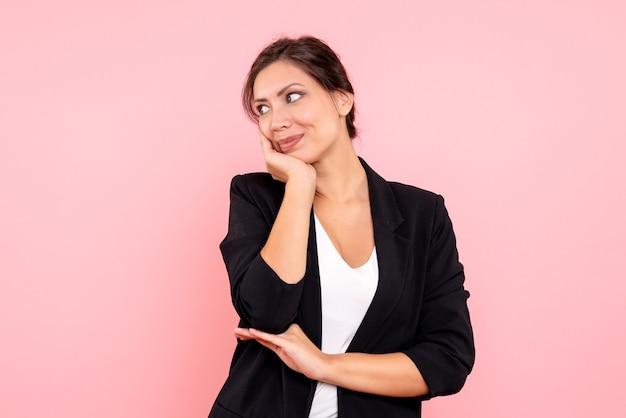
x: 324, y: 371
x: 301, y: 185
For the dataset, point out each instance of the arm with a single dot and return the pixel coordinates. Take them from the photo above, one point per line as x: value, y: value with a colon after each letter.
x: 444, y: 352
x: 286, y: 248
x: 265, y: 248
x: 392, y: 374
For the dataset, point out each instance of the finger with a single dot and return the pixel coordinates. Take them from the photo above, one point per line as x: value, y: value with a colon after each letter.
x: 243, y: 334
x: 241, y: 338
x: 267, y: 344
x: 295, y: 328
x: 276, y: 340
x: 266, y: 144
x: 260, y: 334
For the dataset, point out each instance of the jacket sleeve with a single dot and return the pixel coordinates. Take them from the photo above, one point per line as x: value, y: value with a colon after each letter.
x: 260, y: 297
x: 444, y: 350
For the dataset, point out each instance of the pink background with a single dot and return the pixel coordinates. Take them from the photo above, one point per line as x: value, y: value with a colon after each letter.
x: 120, y: 128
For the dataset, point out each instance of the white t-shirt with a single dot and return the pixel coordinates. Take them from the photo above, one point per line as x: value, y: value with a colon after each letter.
x: 346, y: 296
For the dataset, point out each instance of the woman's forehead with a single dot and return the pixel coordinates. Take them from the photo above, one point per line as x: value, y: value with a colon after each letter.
x: 276, y: 76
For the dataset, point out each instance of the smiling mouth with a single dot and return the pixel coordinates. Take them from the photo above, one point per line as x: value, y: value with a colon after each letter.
x: 288, y: 143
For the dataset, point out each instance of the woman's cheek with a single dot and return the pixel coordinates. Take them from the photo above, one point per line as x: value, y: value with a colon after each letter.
x: 265, y: 130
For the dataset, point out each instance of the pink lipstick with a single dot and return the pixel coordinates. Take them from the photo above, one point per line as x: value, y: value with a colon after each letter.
x: 289, y: 143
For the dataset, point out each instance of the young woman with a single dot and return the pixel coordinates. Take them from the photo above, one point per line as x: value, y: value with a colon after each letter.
x: 348, y: 287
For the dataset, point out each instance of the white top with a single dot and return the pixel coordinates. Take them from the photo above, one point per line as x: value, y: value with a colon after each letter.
x: 346, y: 296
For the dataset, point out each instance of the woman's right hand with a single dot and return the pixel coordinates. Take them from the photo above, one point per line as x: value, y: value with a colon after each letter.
x: 286, y: 248
x: 283, y: 167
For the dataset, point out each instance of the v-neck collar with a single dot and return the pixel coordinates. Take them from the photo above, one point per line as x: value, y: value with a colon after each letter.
x: 322, y: 231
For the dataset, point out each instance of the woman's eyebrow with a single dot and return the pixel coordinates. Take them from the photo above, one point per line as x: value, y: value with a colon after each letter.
x: 280, y: 92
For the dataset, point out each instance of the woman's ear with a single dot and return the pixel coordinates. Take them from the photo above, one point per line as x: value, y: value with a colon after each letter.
x: 343, y: 101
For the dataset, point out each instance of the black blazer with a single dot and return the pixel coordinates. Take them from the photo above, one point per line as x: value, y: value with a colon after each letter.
x: 420, y: 305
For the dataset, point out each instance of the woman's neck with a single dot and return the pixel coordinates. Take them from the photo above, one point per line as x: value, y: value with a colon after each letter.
x: 341, y: 178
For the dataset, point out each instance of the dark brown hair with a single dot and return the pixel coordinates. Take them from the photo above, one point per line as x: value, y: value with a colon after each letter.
x: 314, y: 57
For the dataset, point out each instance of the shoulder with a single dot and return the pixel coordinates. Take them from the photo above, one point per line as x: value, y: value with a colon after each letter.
x: 415, y: 203
x: 382, y: 187
x: 411, y: 193
x: 256, y: 183
x: 394, y: 203
x: 259, y: 189
x: 404, y: 195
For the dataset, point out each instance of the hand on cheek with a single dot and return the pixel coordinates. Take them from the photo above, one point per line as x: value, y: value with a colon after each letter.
x: 284, y: 167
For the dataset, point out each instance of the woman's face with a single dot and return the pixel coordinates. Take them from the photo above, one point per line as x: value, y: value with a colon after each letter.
x: 297, y: 114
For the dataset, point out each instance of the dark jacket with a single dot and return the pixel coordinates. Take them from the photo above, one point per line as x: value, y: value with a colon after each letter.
x: 420, y: 305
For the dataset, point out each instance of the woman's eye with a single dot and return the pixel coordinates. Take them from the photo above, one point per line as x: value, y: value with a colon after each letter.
x: 292, y: 97
x: 262, y: 109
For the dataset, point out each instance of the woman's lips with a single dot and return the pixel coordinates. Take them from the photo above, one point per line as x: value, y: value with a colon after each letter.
x: 288, y: 143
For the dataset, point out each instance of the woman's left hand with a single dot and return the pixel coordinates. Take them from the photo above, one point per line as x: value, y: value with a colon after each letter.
x: 293, y: 347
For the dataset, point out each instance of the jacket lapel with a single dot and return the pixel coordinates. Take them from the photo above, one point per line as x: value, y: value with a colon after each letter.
x: 393, y: 255
x: 311, y: 302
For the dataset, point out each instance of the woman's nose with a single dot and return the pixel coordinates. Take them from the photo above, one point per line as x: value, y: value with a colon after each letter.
x: 280, y: 120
